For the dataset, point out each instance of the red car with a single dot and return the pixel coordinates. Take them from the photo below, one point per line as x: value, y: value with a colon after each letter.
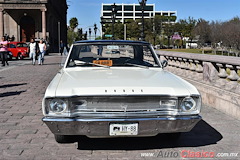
x: 19, y: 50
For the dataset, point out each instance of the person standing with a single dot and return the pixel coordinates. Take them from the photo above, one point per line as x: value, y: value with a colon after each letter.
x: 61, y: 47
x: 33, y: 49
x: 13, y: 38
x: 4, y: 51
x: 42, y: 50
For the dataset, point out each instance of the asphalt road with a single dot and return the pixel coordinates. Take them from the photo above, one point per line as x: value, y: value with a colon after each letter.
x: 24, y: 136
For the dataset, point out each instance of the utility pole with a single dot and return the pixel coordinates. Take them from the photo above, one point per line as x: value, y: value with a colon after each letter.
x: 114, y: 12
x: 142, y: 4
x: 95, y: 30
x: 125, y: 31
x: 90, y: 31
x: 59, y: 35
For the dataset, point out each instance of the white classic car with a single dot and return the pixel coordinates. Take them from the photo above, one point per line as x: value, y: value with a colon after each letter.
x: 118, y: 89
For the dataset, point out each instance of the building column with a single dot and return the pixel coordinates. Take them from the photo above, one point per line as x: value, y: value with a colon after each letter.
x: 1, y: 23
x: 44, y: 31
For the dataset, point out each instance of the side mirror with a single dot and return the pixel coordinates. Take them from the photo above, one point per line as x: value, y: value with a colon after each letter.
x: 164, y: 63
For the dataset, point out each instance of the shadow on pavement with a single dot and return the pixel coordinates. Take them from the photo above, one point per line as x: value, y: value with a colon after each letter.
x: 44, y: 64
x: 201, y: 135
x: 48, y: 64
x: 24, y: 59
x: 12, y: 85
x: 7, y: 94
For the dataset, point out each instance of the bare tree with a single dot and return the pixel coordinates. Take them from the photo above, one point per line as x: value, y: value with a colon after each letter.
x: 231, y: 35
x: 202, y: 30
x: 216, y: 35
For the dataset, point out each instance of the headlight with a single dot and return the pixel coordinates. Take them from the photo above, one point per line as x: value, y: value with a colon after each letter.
x: 57, y: 105
x: 188, y: 104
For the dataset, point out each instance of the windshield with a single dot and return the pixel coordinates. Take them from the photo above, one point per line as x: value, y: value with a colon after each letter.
x: 22, y: 45
x: 112, y: 55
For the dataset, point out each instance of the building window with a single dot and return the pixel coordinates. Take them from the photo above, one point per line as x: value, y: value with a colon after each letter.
x: 128, y: 8
x: 107, y: 14
x: 146, y: 8
x: 140, y: 14
x: 138, y: 8
x: 107, y: 8
x: 119, y: 14
x: 119, y: 8
x: 128, y: 14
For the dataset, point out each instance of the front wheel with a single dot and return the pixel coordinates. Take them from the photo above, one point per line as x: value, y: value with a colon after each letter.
x: 64, y: 138
x: 19, y: 56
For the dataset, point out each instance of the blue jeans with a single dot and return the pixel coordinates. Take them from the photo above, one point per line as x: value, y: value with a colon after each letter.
x: 41, y: 57
x: 32, y: 56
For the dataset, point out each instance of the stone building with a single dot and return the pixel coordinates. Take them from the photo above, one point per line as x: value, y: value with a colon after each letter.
x: 26, y: 19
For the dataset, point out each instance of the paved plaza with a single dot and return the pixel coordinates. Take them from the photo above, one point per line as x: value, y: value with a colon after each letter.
x: 23, y: 135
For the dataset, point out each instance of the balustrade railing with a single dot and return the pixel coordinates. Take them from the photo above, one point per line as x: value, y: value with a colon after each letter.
x: 218, y: 71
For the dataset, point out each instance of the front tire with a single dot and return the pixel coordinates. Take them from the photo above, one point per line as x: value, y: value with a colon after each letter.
x: 19, y: 56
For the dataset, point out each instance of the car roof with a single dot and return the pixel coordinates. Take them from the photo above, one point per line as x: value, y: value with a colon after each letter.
x: 112, y: 41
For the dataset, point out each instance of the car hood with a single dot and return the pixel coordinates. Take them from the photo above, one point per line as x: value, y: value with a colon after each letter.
x: 118, y: 81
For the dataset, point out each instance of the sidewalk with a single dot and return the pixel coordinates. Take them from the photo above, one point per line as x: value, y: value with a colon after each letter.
x: 23, y: 135
x: 21, y: 91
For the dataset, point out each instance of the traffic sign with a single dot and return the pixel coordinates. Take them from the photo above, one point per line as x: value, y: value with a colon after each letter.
x: 108, y: 35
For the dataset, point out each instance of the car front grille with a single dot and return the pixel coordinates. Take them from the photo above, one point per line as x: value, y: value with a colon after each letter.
x: 117, y: 105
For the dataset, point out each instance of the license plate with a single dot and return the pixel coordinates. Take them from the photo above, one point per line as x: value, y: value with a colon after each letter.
x: 128, y: 129
x: 103, y: 62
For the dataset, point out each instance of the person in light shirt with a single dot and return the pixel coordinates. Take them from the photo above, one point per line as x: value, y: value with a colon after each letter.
x: 3, y: 51
x: 42, y: 50
x: 33, y: 49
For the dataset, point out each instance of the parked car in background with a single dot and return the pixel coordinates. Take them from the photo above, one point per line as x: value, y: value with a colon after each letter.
x: 19, y: 50
x: 125, y: 94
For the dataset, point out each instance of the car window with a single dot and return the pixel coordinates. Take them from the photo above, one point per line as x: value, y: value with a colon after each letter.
x: 22, y: 45
x: 114, y: 55
x: 12, y: 46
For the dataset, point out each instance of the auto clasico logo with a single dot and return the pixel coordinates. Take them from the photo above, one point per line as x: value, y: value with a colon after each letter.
x: 196, y: 154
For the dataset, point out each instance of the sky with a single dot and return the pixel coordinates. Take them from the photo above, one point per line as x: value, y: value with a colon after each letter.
x: 88, y: 11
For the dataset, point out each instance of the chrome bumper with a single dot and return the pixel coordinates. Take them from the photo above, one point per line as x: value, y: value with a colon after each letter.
x: 100, y: 127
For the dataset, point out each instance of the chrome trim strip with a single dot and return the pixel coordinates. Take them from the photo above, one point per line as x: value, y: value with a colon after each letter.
x: 50, y: 119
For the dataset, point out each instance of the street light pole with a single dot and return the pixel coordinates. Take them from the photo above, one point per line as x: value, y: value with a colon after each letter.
x: 114, y: 12
x: 95, y: 30
x: 125, y: 31
x: 59, y: 36
x: 142, y: 4
x: 90, y: 31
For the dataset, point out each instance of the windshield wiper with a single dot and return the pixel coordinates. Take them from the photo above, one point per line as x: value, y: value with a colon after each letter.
x: 77, y: 62
x: 137, y: 65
